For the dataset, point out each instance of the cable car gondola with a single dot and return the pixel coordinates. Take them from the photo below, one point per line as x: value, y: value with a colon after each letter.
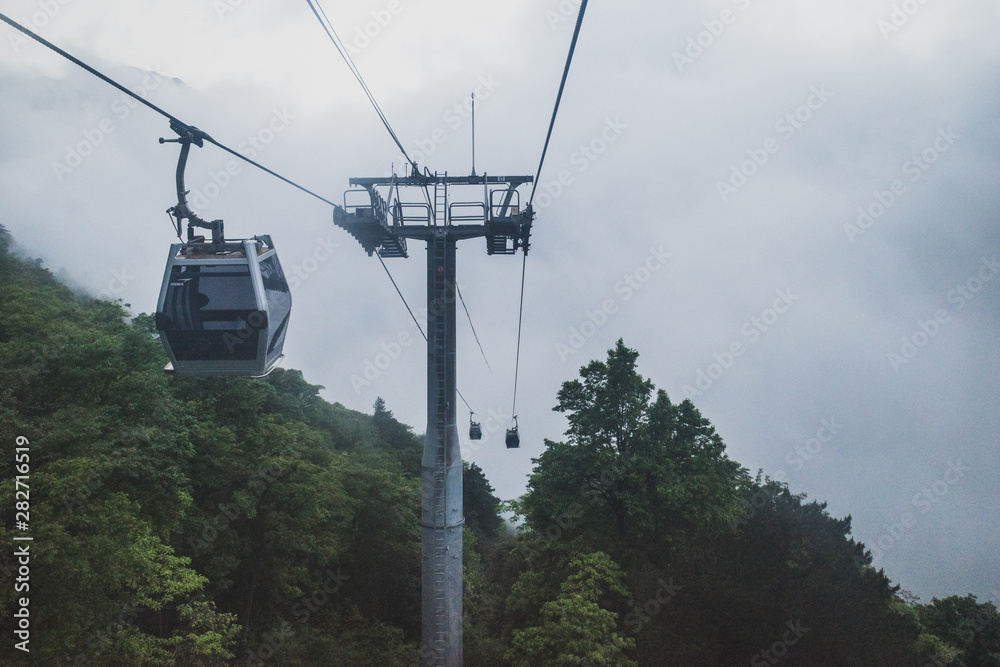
x: 475, y: 429
x: 513, y: 440
x: 224, y: 306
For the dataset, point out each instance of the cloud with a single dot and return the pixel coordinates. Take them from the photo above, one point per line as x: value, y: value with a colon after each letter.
x: 655, y: 185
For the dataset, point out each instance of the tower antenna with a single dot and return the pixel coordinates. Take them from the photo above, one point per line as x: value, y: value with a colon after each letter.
x: 473, y: 133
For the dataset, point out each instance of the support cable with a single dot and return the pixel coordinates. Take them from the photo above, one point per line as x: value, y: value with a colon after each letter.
x: 562, y: 86
x: 481, y: 350
x: 408, y: 309
x: 142, y: 100
x: 464, y: 401
x: 538, y: 174
x: 342, y: 50
x: 517, y: 362
x: 419, y: 328
x: 174, y: 119
x: 44, y: 42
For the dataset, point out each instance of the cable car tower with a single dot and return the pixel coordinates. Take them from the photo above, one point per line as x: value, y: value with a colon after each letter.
x: 382, y: 214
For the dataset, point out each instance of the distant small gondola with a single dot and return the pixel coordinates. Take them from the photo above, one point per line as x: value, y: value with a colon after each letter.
x: 513, y: 439
x: 475, y: 429
x: 224, y: 305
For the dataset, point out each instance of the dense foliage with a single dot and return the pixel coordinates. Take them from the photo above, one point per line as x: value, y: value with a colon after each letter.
x: 243, y: 522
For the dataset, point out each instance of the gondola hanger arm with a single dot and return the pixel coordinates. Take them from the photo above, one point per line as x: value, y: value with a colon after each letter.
x: 187, y: 135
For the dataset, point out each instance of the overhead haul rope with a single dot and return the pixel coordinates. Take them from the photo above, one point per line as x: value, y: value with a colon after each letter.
x: 174, y: 119
x: 458, y: 290
x: 142, y: 100
x: 331, y: 32
x: 520, y: 316
x: 562, y: 87
x: 414, y: 317
x: 538, y: 174
x: 342, y: 50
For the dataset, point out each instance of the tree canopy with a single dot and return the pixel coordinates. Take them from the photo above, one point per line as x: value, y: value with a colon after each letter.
x: 236, y: 521
x: 719, y: 568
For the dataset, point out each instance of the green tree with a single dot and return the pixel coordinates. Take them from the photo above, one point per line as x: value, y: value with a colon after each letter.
x: 398, y: 438
x: 183, y: 521
x: 107, y: 457
x: 785, y: 565
x: 219, y: 520
x: 970, y: 628
x: 480, y: 505
x: 636, y: 473
x: 575, y: 629
x: 723, y: 567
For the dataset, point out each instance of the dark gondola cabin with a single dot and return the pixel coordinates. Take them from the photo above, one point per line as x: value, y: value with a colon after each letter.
x: 223, y: 308
x: 475, y: 430
x: 513, y: 439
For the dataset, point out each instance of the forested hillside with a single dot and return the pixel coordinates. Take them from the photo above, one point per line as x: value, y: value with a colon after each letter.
x: 249, y: 522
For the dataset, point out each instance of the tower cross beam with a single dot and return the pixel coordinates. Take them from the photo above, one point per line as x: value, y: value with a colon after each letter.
x: 420, y: 181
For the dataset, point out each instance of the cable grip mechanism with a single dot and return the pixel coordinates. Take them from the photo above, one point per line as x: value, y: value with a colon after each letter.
x: 187, y: 135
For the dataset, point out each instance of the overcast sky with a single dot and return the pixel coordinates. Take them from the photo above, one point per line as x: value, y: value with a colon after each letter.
x: 789, y: 209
